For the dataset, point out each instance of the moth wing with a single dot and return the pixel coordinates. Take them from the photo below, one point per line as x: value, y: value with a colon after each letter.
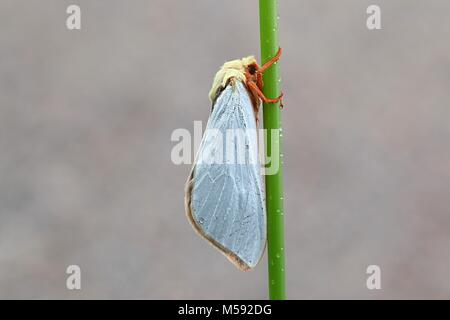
x: 224, y: 199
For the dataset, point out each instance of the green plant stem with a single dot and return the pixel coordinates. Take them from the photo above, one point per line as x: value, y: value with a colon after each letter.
x: 268, y: 16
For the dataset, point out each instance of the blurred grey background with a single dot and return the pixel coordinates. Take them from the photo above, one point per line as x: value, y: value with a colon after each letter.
x: 86, y: 118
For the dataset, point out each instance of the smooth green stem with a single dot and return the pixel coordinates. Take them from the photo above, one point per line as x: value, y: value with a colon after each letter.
x: 268, y: 16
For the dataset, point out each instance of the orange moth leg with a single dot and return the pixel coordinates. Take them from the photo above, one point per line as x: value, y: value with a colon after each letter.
x: 253, y: 87
x: 271, y: 61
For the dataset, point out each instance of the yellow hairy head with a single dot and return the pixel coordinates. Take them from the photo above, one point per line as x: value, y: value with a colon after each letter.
x: 231, y: 69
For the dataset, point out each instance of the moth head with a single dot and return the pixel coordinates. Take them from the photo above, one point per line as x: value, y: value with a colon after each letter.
x: 250, y: 64
x: 231, y: 69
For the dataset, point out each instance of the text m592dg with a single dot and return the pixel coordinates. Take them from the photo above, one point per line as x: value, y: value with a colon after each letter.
x: 246, y: 309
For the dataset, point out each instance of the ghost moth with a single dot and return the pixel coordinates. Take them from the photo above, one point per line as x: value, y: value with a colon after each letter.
x: 224, y: 200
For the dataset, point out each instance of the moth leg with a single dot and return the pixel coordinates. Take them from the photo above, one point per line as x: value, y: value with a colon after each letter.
x: 259, y: 80
x: 271, y: 61
x: 254, y: 88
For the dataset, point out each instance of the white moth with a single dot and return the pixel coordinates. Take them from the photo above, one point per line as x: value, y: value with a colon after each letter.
x: 224, y: 197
